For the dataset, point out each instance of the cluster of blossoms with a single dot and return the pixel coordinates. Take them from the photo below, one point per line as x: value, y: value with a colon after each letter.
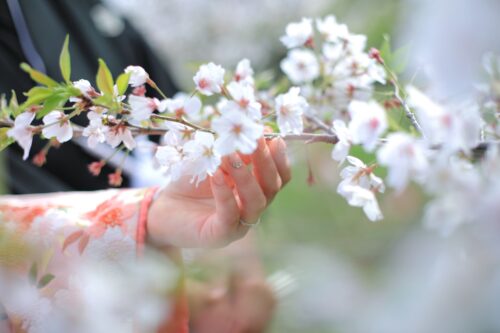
x: 338, y: 77
x: 331, y: 96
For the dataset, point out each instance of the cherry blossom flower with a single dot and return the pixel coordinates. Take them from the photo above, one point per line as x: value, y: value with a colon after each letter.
x: 341, y: 148
x: 358, y: 173
x: 298, y: 34
x: 301, y: 66
x: 58, y: 126
x: 202, y: 158
x: 209, y: 79
x: 183, y: 105
x: 332, y: 54
x: 95, y: 131
x: 359, y: 65
x: 244, y: 72
x: 343, y: 92
x: 453, y: 128
x: 22, y: 132
x: 24, y: 300
x: 329, y: 29
x: 142, y: 107
x: 432, y: 116
x: 449, y: 173
x: 244, y: 100
x: 354, y: 43
x: 177, y: 134
x: 236, y: 132
x: 361, y: 197
x: 450, y: 210
x: 171, y: 161
x: 289, y: 110
x: 368, y: 122
x: 85, y: 88
x: 118, y: 134
x: 405, y: 158
x: 138, y: 76
x: 358, y: 187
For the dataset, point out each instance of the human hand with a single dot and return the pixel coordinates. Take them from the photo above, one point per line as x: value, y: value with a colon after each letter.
x: 247, y: 306
x: 209, y: 215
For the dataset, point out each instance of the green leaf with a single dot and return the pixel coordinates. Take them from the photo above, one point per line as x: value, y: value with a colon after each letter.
x: 105, y: 100
x: 45, y: 280
x: 33, y: 273
x: 385, y: 49
x: 104, y: 78
x: 10, y: 109
x: 38, y: 77
x: 37, y: 95
x: 274, y: 126
x: 39, y: 91
x: 65, y: 61
x: 5, y: 140
x: 13, y: 103
x: 52, y: 103
x: 73, y: 91
x: 400, y: 59
x: 4, y: 108
x: 396, y: 60
x: 122, y: 83
x: 264, y: 79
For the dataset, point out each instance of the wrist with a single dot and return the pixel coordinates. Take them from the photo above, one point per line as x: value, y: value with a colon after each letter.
x: 156, y: 236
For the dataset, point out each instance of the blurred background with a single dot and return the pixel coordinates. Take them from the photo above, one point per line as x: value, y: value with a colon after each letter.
x: 333, y: 270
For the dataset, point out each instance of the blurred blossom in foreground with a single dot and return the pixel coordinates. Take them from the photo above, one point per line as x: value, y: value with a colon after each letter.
x: 449, y: 38
x: 107, y: 290
x: 424, y: 285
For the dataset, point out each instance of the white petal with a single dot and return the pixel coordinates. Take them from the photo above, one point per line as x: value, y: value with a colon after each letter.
x: 340, y: 151
x: 65, y: 132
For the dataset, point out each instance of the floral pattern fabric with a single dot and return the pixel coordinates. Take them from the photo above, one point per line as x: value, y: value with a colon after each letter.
x: 58, y: 251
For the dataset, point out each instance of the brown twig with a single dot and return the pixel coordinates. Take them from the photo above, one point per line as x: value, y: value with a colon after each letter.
x: 397, y: 94
x: 6, y: 124
x: 321, y: 124
x: 183, y: 122
x: 304, y: 137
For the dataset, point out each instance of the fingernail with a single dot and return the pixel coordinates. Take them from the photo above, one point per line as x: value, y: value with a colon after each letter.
x: 218, y: 177
x: 236, y: 161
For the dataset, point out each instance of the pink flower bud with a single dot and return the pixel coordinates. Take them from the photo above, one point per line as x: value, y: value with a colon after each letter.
x: 96, y: 167
x: 40, y: 158
x: 115, y: 179
x: 375, y: 54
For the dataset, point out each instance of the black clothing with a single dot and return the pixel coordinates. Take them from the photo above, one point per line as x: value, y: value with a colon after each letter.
x: 48, y: 22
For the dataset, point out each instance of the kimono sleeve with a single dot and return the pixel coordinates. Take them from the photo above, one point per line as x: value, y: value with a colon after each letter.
x: 58, y: 250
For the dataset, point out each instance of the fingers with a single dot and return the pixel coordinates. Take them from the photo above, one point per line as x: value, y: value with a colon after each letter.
x: 277, y: 147
x: 227, y: 210
x: 240, y: 194
x: 266, y: 171
x: 247, y: 159
x: 252, y: 198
